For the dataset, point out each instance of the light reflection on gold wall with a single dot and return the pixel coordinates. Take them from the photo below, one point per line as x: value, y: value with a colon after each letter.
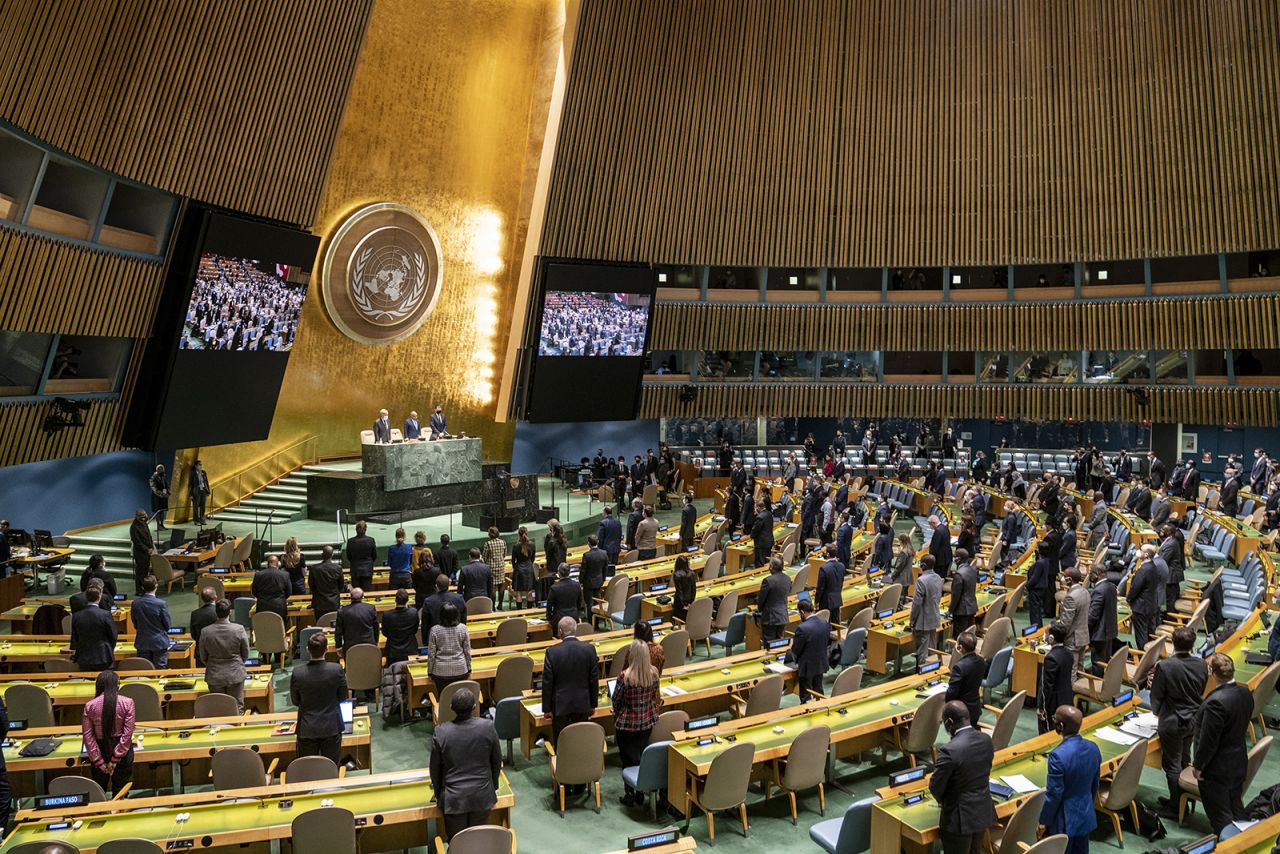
x: 446, y: 115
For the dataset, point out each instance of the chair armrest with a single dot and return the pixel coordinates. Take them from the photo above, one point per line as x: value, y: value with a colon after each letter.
x: 431, y: 695
x: 123, y: 791
x: 440, y: 849
x: 995, y: 710
x: 1096, y: 680
x: 275, y: 763
x: 549, y: 747
x: 813, y: 693
x: 342, y: 772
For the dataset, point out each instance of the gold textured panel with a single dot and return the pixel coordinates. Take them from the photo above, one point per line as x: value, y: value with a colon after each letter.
x: 918, y: 132
x: 440, y: 118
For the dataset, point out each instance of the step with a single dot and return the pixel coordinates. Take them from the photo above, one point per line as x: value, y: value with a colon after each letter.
x: 280, y: 495
x: 289, y: 486
x: 268, y: 502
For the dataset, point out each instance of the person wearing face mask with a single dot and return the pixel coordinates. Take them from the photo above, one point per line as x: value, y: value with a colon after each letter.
x: 1072, y: 785
x: 439, y: 428
x: 960, y: 783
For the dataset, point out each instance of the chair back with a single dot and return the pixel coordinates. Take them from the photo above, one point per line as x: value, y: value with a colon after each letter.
x: 855, y: 827
x: 729, y: 776
x: 616, y: 595
x: 788, y: 553
x: 862, y: 619
x: 238, y: 768
x: 305, y: 769
x: 675, y: 645
x: 851, y: 647
x: 998, y: 668
x: 1150, y: 656
x: 711, y: 569
x: 1125, y: 779
x: 1020, y: 831
x: 243, y: 551
x: 216, y: 705
x: 652, y: 772
x: 698, y: 621
x: 807, y: 759
x: 889, y: 598
x: 129, y: 845
x: 366, y: 437
x: 268, y: 633
x: 513, y: 677
x: 444, y: 704
x: 73, y: 785
x: 798, y: 581
x: 849, y: 680
x: 629, y: 557
x: 765, y: 697
x: 241, y: 607
x: 728, y: 607
x: 923, y: 731
x: 484, y: 839
x: 506, y: 718
x: 328, y: 829
x: 1257, y: 754
x: 324, y: 621
x: 60, y: 665
x: 134, y: 663
x: 479, y: 605
x: 711, y: 542
x: 303, y: 638
x: 1265, y: 688
x: 223, y: 557
x: 66, y: 624
x: 995, y: 637
x: 584, y: 629
x: 1014, y: 602
x: 1049, y: 845
x: 30, y: 703
x: 1007, y: 721
x: 618, y: 662
x: 1113, y: 676
x: 364, y: 667
x: 580, y: 754
x: 146, y: 700
x: 668, y: 724
x: 213, y: 582
x: 161, y: 568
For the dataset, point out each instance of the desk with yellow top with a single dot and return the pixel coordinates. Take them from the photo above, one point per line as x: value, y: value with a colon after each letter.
x: 178, y: 689
x: 888, y: 640
x: 747, y: 585
x: 241, y: 583
x: 858, y: 721
x: 391, y: 812
x: 25, y: 560
x: 22, y: 617
x: 1140, y: 530
x: 669, y: 540
x: 482, y: 629
x: 855, y: 596
x: 906, y: 819
x: 1261, y: 838
x: 175, y: 753
x: 741, y: 552
x: 301, y: 615
x: 27, y: 653
x: 701, y: 688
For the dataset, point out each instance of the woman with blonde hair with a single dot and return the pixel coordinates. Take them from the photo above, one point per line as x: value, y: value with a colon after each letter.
x: 636, y: 706
x: 296, y: 565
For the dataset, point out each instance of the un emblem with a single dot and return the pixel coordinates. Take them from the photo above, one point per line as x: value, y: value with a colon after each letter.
x: 381, y: 273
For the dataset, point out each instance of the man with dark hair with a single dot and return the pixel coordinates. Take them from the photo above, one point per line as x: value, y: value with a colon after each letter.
x: 357, y: 622
x: 591, y: 571
x: 362, y: 551
x: 1143, y: 599
x: 98, y: 569
x: 940, y: 546
x: 1191, y: 484
x: 93, y: 635
x: 688, y: 522
x: 1221, y: 757
x: 565, y: 598
x: 1072, y: 785
x: 762, y: 536
x: 400, y: 628
x: 809, y: 651
x: 570, y: 679
x: 609, y: 534
x: 646, y: 543
x: 1258, y: 474
x: 475, y: 578
x: 202, y: 617
x: 1102, y: 615
x: 466, y: 760
x: 829, y: 593
x: 198, y: 487
x: 633, y: 521
x: 223, y: 647
x: 1055, y: 678
x: 1074, y: 616
x: 326, y: 583
x: 432, y: 605
x: 317, y: 687
x: 447, y: 558
x: 964, y: 597
x: 926, y: 610
x: 967, y: 674
x: 159, y: 486
x: 1177, y: 690
x: 1040, y: 584
x: 150, y: 617
x: 771, y: 601
x: 960, y: 783
x: 143, y: 547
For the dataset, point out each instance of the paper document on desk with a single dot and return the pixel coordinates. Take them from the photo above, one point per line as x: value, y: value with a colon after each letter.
x: 779, y: 667
x: 673, y: 691
x: 1143, y: 726
x: 1115, y: 736
x: 1020, y: 784
x: 536, y: 709
x: 935, y: 689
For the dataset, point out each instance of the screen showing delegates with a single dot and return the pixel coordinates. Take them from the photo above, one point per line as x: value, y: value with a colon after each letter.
x: 243, y: 304
x: 593, y: 324
x: 591, y: 337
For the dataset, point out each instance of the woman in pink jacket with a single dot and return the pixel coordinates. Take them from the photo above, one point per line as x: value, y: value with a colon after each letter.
x: 108, y: 733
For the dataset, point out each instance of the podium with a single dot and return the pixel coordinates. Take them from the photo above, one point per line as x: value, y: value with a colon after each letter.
x: 410, y: 465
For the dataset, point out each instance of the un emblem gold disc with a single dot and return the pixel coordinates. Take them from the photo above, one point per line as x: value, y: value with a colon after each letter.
x: 381, y: 274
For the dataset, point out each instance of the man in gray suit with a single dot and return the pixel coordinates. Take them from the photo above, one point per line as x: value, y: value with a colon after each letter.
x: 964, y: 594
x: 1074, y: 616
x: 223, y: 648
x: 1161, y: 507
x: 926, y: 610
x: 1098, y: 520
x: 465, y: 762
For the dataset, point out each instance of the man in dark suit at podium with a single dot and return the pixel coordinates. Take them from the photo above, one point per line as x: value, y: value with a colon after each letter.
x: 439, y: 429
x: 382, y: 428
x: 412, y: 429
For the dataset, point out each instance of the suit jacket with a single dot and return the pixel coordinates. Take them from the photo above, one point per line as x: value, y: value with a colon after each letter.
x: 1140, y: 503
x: 438, y: 425
x: 882, y: 552
x: 609, y: 535
x: 361, y: 553
x: 1191, y: 485
x: 964, y: 591
x: 844, y: 543
x: 1170, y: 552
x: 475, y: 579
x: 412, y: 428
x: 570, y: 678
x: 356, y: 623
x: 926, y: 602
x: 1229, y: 498
x: 223, y: 648
x: 140, y: 539
x: 771, y: 601
x: 1177, y: 688
x: 940, y: 548
x: 762, y: 531
x: 431, y: 609
x: 198, y: 482
x: 1102, y: 610
x: 966, y: 684
x: 93, y: 638
x: 1142, y: 589
x: 830, y: 581
x: 381, y: 431
x: 688, y: 523
x: 317, y: 688
x: 1098, y: 516
x: 1071, y: 788
x: 200, y: 619
x: 1074, y: 615
x: 465, y: 762
x: 1160, y: 510
x: 1055, y: 681
x: 151, y: 623
x: 400, y: 628
x: 326, y: 582
x: 271, y: 587
x: 1157, y: 473
x: 1221, y: 753
x: 809, y: 648
x: 591, y: 571
x: 564, y: 600
x: 960, y: 783
x: 1040, y: 578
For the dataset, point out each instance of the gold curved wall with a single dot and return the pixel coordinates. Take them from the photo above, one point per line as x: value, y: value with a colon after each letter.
x: 860, y: 133
x: 446, y: 114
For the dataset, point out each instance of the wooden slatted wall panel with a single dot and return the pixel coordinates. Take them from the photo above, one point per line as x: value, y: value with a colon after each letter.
x: 1259, y: 407
x: 233, y: 103
x: 49, y: 285
x: 23, y: 440
x: 1143, y: 324
x: 920, y: 132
